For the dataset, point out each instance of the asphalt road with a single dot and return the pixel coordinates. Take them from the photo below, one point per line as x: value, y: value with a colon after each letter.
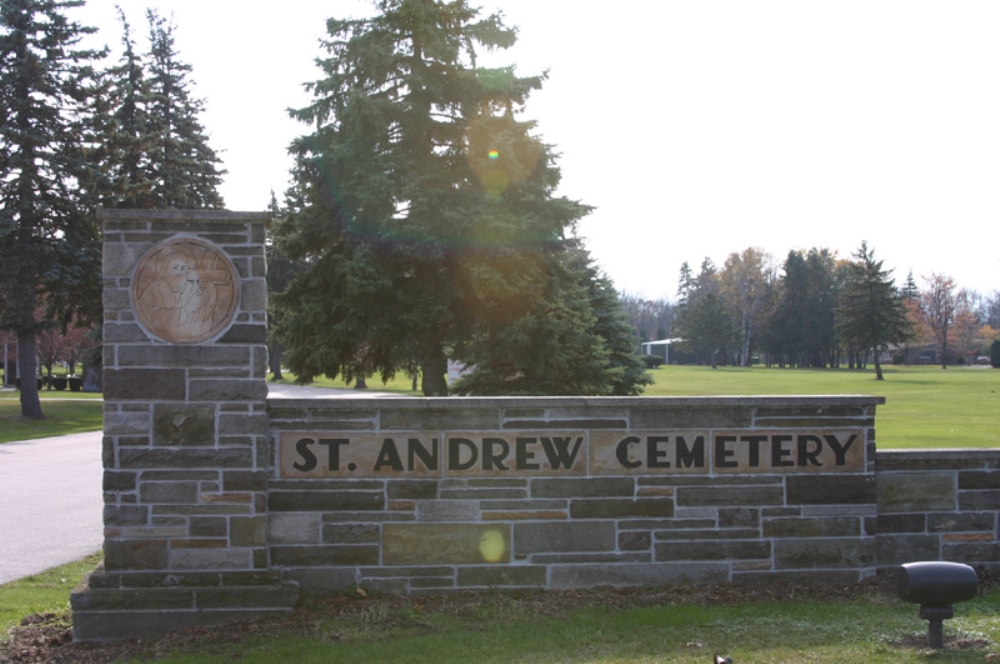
x: 50, y: 490
x: 51, y: 505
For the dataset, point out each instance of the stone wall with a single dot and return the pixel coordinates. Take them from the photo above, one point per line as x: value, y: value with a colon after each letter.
x: 939, y: 505
x: 221, y: 503
x: 363, y: 507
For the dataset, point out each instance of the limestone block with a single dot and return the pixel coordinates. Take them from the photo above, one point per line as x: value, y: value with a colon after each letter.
x: 294, y: 528
x: 916, y: 492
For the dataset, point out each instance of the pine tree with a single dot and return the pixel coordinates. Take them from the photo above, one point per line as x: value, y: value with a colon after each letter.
x: 872, y: 313
x: 49, y: 241
x: 183, y: 170
x: 424, y: 204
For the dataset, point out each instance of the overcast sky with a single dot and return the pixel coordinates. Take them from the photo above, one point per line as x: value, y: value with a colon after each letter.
x: 696, y: 128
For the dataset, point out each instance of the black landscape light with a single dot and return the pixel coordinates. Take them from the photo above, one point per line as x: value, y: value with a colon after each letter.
x: 935, y: 586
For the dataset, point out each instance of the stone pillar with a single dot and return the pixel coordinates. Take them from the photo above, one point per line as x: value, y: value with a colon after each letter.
x: 185, y: 426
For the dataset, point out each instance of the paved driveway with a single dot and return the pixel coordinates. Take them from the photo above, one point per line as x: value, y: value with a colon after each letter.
x: 50, y: 493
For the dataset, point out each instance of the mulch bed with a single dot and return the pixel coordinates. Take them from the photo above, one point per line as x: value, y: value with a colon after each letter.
x: 49, y: 638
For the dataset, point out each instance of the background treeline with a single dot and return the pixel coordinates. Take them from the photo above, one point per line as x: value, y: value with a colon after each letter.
x: 754, y: 310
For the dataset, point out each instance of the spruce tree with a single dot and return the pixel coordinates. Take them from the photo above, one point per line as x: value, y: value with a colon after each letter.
x: 49, y: 241
x: 426, y: 208
x: 183, y: 170
x: 872, y: 313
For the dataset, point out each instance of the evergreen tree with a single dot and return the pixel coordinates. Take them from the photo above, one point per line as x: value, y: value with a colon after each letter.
x: 49, y: 240
x: 128, y: 140
x: 872, y: 314
x: 424, y: 205
x: 709, y: 328
x: 183, y: 170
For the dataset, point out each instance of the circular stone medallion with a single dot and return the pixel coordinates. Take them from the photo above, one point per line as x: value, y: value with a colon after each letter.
x: 185, y: 291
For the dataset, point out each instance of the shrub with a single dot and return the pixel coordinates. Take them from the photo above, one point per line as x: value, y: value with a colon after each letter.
x: 995, y: 354
x: 652, y: 361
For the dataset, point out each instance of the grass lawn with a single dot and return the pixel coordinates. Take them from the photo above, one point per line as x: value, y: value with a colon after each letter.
x: 65, y: 412
x: 597, y: 627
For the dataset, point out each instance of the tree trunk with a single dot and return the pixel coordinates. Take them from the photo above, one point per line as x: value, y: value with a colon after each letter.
x: 878, y: 367
x: 274, y: 360
x: 433, y: 368
x: 360, y: 384
x: 27, y: 359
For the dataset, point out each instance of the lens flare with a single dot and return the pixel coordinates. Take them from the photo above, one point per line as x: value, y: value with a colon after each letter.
x: 494, y: 154
x: 492, y: 546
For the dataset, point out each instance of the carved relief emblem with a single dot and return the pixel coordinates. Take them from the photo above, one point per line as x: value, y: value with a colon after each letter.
x: 185, y: 291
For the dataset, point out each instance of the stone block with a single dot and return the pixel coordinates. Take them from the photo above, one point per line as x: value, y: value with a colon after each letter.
x: 248, y: 531
x: 584, y: 487
x: 284, y: 596
x: 509, y: 576
x: 227, y: 390
x: 135, y: 554
x: 209, y: 526
x: 831, y: 489
x: 183, y: 424
x: 144, y: 385
x: 443, y: 544
x: 319, y: 580
x: 294, y: 528
x: 211, y: 558
x: 324, y: 556
x: 194, y: 457
x: 902, y: 523
x: 635, y: 541
x: 438, y: 419
x: 900, y: 549
x: 669, y: 419
x: 739, y: 517
x: 631, y: 574
x: 978, y: 480
x: 558, y: 537
x: 621, y: 508
x: 244, y: 480
x: 126, y: 515
x: 316, y: 501
x: 351, y: 533
x: 712, y: 550
x: 824, y: 553
x: 244, y: 334
x: 812, y: 527
x: 979, y: 500
x: 448, y: 510
x: 916, y: 492
x: 412, y: 489
x: 734, y: 496
x: 183, y: 493
x: 119, y: 481
x: 938, y: 522
x: 120, y: 599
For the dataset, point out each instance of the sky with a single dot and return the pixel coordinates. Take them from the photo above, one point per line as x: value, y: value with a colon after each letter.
x: 695, y: 128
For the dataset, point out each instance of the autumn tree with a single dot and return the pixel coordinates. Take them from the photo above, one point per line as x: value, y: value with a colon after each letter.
x: 938, y: 306
x: 746, y: 284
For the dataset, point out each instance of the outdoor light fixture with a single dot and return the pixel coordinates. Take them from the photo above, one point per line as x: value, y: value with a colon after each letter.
x: 935, y: 586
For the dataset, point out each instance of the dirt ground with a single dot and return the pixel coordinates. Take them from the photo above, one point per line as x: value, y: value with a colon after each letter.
x: 48, y: 638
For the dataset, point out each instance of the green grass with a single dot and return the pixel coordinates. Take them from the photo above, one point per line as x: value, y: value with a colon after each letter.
x: 65, y: 413
x: 872, y: 629
x: 47, y: 592
x: 926, y: 407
